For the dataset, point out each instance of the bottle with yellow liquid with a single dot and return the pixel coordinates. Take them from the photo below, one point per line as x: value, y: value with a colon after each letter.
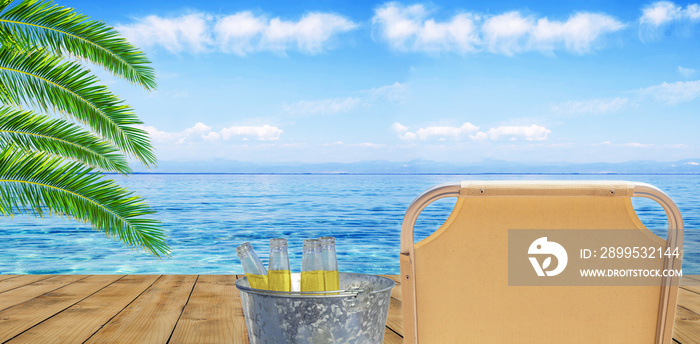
x: 311, y: 266
x: 330, y: 263
x: 279, y: 277
x: 252, y: 266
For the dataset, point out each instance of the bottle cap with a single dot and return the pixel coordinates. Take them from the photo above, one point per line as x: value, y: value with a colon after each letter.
x: 327, y: 240
x: 243, y: 249
x: 310, y: 244
x: 278, y: 242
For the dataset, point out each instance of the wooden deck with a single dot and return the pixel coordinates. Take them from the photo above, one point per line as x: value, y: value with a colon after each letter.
x: 176, y: 309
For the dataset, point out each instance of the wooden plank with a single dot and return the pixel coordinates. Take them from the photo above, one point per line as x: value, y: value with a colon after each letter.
x: 4, y: 277
x: 395, y: 278
x: 390, y: 337
x: 23, y: 316
x: 686, y: 327
x: 395, y: 318
x: 152, y: 317
x: 19, y: 281
x: 78, y: 322
x: 689, y: 300
x: 27, y: 292
x: 213, y: 313
x: 694, y: 289
x: 394, y: 323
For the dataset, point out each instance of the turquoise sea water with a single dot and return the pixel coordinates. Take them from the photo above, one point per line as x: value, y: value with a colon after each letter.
x: 207, y: 215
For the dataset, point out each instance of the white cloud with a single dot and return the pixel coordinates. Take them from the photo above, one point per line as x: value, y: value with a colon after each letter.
x: 663, y: 13
x: 158, y: 135
x: 674, y: 92
x: 577, y: 34
x: 686, y: 72
x: 236, y: 33
x: 186, y: 32
x: 241, y: 33
x: 309, y: 34
x: 397, y: 127
x: 513, y: 133
x: 403, y: 132
x: 438, y: 132
x: 409, y: 28
x: 441, y: 133
x: 504, y: 33
x: 395, y: 92
x: 593, y: 106
x: 660, y: 13
x: 326, y: 106
x: 692, y: 163
x: 446, y: 132
x: 369, y: 145
x: 261, y: 133
x: 406, y: 28
x: 637, y: 145
x: 201, y: 131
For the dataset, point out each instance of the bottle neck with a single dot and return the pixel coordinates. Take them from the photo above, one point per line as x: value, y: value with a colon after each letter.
x: 252, y: 264
x: 329, y: 258
x: 279, y: 259
x: 311, y: 260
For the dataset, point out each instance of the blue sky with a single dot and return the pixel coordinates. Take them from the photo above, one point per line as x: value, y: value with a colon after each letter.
x: 326, y: 81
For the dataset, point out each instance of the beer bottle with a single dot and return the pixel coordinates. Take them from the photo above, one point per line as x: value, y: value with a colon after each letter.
x: 311, y: 266
x: 278, y: 274
x: 330, y: 263
x: 252, y: 266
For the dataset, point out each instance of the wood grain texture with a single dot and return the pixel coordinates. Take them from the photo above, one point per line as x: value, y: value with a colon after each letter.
x: 193, y: 309
x: 152, y: 317
x: 390, y: 337
x: 23, y: 316
x: 29, y: 291
x: 4, y: 277
x: 19, y: 281
x: 395, y: 318
x: 213, y: 313
x: 686, y: 327
x: 78, y: 322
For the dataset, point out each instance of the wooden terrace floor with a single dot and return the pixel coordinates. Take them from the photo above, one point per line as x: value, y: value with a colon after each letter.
x: 176, y: 309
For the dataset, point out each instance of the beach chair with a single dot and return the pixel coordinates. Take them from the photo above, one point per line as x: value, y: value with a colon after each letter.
x: 455, y: 285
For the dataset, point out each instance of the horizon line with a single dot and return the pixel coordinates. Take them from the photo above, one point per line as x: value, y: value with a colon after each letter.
x: 418, y: 173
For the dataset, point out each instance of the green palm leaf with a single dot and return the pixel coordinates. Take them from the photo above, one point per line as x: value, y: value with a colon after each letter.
x: 32, y: 181
x: 29, y: 131
x: 68, y: 33
x: 38, y: 78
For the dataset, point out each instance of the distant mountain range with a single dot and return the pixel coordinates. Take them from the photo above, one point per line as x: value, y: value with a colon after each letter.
x: 424, y: 166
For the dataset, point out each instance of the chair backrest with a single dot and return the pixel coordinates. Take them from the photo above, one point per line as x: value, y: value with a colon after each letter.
x: 455, y: 282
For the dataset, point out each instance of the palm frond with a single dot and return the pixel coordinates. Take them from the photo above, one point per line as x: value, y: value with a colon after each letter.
x: 4, y: 3
x: 34, y: 181
x: 30, y: 131
x: 38, y: 78
x: 69, y: 33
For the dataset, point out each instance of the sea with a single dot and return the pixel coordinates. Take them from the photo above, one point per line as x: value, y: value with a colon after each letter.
x: 205, y: 217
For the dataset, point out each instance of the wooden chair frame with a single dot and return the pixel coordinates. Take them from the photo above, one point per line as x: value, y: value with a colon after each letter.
x: 667, y: 304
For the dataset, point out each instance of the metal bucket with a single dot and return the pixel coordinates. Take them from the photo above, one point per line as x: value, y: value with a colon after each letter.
x: 355, y: 314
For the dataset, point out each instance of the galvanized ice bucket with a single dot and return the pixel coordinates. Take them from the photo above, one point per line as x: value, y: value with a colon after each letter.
x: 355, y: 314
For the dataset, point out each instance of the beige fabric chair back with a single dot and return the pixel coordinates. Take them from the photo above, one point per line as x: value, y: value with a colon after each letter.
x: 455, y: 282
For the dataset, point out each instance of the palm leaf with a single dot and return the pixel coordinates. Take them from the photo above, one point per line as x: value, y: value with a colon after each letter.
x: 71, y: 34
x: 29, y: 131
x: 38, y: 78
x: 34, y: 181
